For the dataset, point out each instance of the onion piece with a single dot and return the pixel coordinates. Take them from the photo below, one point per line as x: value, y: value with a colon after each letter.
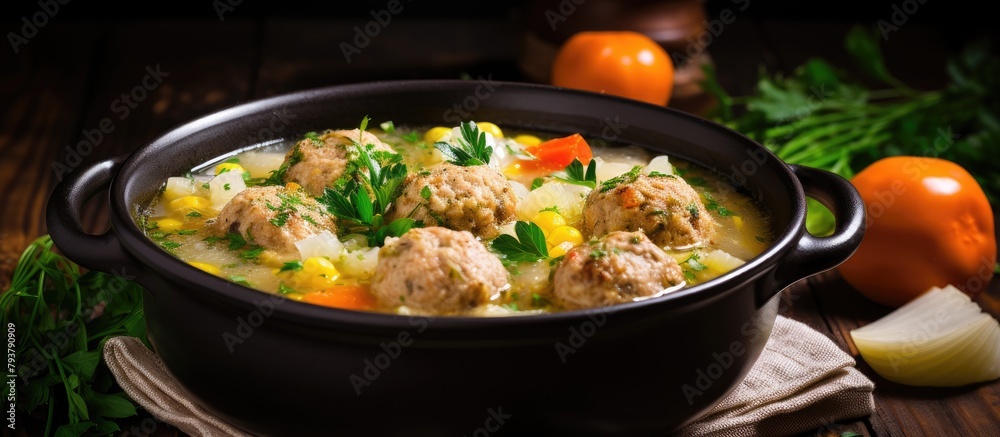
x: 323, y: 244
x: 660, y: 164
x: 261, y: 164
x: 568, y: 198
x: 224, y: 187
x: 940, y: 339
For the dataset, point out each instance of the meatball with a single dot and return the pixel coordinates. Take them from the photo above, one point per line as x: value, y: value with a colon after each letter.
x: 274, y: 217
x: 477, y: 199
x: 665, y: 207
x: 316, y: 165
x: 437, y: 271
x: 620, y: 267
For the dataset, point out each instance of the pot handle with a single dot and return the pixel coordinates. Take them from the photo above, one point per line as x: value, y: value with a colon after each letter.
x: 101, y: 252
x: 814, y: 254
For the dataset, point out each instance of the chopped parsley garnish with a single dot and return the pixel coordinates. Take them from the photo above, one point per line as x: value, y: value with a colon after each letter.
x: 277, y: 177
x: 552, y: 208
x: 631, y: 176
x: 280, y: 219
x: 471, y: 149
x: 425, y: 192
x: 206, y: 186
x: 194, y: 214
x: 537, y: 183
x: 373, y: 182
x: 291, y: 266
x: 233, y: 160
x: 284, y: 289
x: 314, y: 137
x: 252, y: 254
x: 528, y: 246
x: 712, y: 205
x: 239, y: 279
x: 236, y: 241
x: 656, y: 174
x: 689, y: 275
x: 388, y: 127
x: 225, y: 187
x: 693, y: 262
x: 538, y: 301
x: 412, y: 137
x: 693, y: 210
x: 598, y: 253
x: 761, y: 239
x: 167, y: 244
x: 187, y: 232
x: 577, y: 175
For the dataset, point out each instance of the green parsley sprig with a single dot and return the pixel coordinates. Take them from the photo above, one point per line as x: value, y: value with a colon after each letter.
x: 471, y: 149
x: 371, y: 186
x: 529, y: 246
x: 577, y: 175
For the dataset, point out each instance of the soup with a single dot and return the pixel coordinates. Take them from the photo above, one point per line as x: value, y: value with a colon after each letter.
x: 466, y: 220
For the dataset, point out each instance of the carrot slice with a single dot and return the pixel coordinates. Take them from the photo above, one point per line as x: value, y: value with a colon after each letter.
x: 350, y: 297
x: 556, y: 154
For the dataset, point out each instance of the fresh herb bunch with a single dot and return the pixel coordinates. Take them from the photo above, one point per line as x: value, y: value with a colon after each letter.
x: 820, y: 118
x: 61, y: 319
x: 366, y: 192
x: 471, y: 149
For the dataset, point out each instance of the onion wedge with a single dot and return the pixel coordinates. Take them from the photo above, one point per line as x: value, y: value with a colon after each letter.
x: 940, y: 339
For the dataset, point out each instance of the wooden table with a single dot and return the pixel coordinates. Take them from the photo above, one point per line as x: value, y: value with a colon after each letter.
x: 72, y: 74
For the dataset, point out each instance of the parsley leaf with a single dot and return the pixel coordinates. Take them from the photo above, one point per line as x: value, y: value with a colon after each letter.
x: 277, y: 177
x: 529, y: 245
x: 425, y: 192
x: 537, y: 183
x: 471, y: 149
x: 291, y: 266
x: 575, y: 174
x: 412, y: 137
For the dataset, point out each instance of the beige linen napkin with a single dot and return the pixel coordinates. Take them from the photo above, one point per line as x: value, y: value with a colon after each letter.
x: 802, y: 381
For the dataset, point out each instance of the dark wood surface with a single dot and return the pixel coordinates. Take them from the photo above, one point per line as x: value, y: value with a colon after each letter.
x: 68, y: 77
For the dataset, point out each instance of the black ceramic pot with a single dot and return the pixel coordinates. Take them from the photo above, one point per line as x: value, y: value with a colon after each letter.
x: 273, y: 366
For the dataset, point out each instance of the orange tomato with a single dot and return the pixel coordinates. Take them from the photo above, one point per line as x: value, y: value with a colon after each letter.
x: 626, y: 64
x: 350, y: 297
x: 929, y: 224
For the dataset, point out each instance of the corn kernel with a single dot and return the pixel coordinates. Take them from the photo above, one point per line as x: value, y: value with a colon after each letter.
x: 229, y: 166
x: 317, y: 273
x: 188, y: 204
x: 491, y: 128
x: 293, y: 186
x: 528, y: 140
x: 565, y: 234
x: 435, y: 134
x: 549, y: 221
x: 205, y: 267
x: 169, y: 224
